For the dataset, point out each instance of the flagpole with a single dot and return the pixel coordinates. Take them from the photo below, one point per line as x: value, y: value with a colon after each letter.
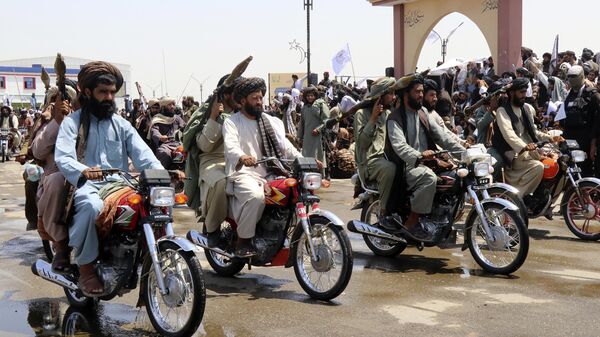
x: 351, y: 62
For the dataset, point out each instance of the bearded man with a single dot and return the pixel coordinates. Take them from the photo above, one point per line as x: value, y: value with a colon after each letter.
x: 8, y: 120
x: 312, y: 119
x: 515, y: 136
x: 90, y: 139
x: 163, y: 130
x: 250, y: 135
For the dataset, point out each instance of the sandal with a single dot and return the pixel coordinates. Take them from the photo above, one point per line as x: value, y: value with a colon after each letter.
x: 89, y: 284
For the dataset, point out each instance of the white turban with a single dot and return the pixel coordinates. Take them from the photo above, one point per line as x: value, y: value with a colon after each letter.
x: 347, y: 103
x: 53, y: 91
x: 165, y: 101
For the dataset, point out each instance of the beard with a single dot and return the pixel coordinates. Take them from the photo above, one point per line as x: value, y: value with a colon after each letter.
x: 414, y: 104
x: 101, y: 110
x: 253, y: 110
x: 428, y: 106
x: 517, y: 102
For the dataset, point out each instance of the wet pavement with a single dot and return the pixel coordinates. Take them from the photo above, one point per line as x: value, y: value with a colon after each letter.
x: 436, y: 292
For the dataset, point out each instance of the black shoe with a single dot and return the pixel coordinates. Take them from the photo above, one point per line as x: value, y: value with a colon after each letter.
x: 212, y: 239
x: 245, y: 249
x: 418, y: 233
x: 387, y: 224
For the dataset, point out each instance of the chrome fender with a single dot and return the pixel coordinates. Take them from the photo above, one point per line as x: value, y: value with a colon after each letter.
x: 183, y: 243
x: 329, y: 216
x: 504, y: 186
x: 589, y: 179
x: 505, y: 203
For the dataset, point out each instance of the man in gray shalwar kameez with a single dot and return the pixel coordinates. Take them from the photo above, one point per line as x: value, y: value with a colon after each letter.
x: 313, y: 116
x: 104, y: 140
x: 412, y: 136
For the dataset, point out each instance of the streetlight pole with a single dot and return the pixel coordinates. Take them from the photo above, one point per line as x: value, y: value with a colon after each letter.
x: 445, y: 41
x: 308, y: 6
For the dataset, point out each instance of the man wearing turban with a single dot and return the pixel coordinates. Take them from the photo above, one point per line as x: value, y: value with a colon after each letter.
x: 313, y: 115
x: 369, y: 125
x: 89, y: 139
x: 164, y: 127
x: 515, y: 136
x: 250, y: 135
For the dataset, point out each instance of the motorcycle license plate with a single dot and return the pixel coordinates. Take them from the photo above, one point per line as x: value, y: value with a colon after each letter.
x: 483, y: 181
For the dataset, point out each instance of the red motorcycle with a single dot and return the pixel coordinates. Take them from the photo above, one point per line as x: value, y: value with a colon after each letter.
x: 141, y: 245
x: 293, y: 231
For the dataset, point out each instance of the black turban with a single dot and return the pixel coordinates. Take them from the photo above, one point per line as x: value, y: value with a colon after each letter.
x: 519, y: 84
x: 430, y: 85
x: 247, y: 86
x: 91, y: 72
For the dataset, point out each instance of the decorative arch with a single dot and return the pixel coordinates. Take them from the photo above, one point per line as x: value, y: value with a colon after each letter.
x: 500, y: 21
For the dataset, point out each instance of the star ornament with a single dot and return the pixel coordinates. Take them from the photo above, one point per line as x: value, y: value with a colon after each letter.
x: 294, y: 44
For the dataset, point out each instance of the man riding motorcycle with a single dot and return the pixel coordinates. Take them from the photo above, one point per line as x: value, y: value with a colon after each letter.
x: 369, y: 125
x: 8, y: 120
x: 93, y: 138
x: 412, y: 136
x: 514, y: 138
x: 250, y: 135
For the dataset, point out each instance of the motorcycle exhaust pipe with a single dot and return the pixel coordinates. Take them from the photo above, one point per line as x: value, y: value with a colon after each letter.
x: 200, y: 240
x: 359, y: 227
x: 43, y: 269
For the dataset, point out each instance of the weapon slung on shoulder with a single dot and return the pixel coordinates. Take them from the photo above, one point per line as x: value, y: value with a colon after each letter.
x: 142, y: 97
x: 61, y: 69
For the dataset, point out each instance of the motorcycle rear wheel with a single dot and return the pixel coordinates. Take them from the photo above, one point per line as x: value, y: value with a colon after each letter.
x: 221, y: 265
x: 311, y: 274
x: 498, y: 192
x: 48, y: 249
x: 380, y: 247
x: 509, y: 251
x: 80, y: 301
x: 571, y: 203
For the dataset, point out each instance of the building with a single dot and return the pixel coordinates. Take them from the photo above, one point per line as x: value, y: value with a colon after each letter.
x: 20, y: 79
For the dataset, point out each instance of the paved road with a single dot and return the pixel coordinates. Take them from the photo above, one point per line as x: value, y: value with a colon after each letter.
x: 431, y: 293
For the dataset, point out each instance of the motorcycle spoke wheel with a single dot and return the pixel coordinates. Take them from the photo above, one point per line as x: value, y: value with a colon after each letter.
x: 379, y: 246
x: 326, y: 277
x: 503, y: 250
x: 582, y: 215
x: 180, y: 311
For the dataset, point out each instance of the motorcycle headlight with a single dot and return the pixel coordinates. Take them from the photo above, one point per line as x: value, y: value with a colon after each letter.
x: 162, y: 196
x: 311, y: 181
x: 481, y: 169
x: 578, y: 156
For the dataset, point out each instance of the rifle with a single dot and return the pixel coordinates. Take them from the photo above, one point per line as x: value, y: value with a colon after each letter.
x: 218, y: 93
x: 142, y: 97
x: 61, y: 69
x: 45, y: 79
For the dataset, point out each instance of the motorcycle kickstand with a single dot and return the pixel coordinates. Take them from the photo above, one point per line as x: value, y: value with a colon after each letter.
x: 249, y: 263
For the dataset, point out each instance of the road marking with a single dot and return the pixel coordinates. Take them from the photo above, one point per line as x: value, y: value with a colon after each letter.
x: 423, y: 313
x: 574, y: 274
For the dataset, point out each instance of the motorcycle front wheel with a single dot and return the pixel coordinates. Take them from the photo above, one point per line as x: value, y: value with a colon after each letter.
x: 582, y: 215
x: 379, y: 246
x: 180, y: 311
x: 505, y: 249
x: 326, y: 277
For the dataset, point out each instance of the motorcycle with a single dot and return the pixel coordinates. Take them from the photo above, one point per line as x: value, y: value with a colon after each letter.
x: 494, y: 231
x: 293, y: 231
x: 4, y: 144
x: 580, y: 203
x: 179, y: 156
x: 171, y: 280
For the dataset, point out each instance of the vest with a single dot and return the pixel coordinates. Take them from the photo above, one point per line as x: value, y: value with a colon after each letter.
x: 398, y: 197
x: 498, y: 141
x: 579, y: 115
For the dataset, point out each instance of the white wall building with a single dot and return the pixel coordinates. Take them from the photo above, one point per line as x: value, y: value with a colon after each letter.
x: 19, y: 79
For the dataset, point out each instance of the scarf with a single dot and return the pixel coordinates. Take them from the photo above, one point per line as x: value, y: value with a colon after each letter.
x: 159, y: 119
x: 269, y: 145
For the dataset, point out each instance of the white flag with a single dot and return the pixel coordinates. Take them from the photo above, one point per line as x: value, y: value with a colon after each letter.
x: 561, y: 114
x: 340, y: 59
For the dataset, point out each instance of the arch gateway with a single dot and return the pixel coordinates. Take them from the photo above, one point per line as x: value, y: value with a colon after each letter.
x: 500, y: 21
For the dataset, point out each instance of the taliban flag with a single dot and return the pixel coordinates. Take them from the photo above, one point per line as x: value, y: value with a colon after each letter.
x: 554, y: 60
x: 340, y: 59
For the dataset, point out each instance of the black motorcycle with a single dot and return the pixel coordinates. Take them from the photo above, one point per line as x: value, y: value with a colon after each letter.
x: 494, y: 231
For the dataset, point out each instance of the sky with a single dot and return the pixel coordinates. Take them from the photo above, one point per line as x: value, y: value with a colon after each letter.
x: 202, y: 40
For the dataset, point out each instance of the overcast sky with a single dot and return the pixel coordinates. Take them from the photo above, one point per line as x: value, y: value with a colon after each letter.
x: 207, y: 38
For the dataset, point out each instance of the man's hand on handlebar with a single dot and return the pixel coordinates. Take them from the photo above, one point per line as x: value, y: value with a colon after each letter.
x: 530, y: 147
x: 163, y: 138
x: 92, y: 173
x: 178, y: 174
x: 558, y: 139
x: 247, y: 161
x: 428, y: 154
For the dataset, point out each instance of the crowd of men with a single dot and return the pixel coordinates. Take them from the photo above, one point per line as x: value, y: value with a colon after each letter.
x: 384, y: 130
